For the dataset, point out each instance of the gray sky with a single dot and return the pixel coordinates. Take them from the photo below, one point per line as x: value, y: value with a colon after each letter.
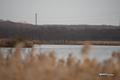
x: 95, y: 12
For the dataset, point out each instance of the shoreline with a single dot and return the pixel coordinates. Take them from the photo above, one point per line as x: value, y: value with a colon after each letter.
x: 75, y: 44
x: 113, y: 43
x: 28, y: 44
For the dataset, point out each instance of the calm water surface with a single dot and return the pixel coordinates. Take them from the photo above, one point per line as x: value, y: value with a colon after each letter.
x: 62, y: 51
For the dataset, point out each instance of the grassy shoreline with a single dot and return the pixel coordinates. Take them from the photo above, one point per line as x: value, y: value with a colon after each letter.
x: 77, y: 42
x: 13, y: 41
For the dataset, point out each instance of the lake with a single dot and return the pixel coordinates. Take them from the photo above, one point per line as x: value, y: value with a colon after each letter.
x: 101, y: 52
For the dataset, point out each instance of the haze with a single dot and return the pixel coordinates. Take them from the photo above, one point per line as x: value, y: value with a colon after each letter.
x: 91, y: 12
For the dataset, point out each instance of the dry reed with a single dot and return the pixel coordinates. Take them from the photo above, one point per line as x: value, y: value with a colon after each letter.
x: 45, y: 67
x: 76, y: 42
x: 86, y: 48
x: 13, y: 41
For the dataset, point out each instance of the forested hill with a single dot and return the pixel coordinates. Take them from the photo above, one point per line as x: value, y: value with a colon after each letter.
x: 10, y: 29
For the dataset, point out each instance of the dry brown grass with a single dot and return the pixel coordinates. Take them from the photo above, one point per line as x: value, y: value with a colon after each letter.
x: 77, y: 42
x: 45, y: 67
x: 86, y: 48
x: 13, y: 41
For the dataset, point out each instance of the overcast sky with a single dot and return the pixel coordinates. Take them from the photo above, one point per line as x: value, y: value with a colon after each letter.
x: 95, y: 12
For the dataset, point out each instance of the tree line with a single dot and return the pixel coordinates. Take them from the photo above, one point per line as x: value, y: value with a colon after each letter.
x: 10, y: 29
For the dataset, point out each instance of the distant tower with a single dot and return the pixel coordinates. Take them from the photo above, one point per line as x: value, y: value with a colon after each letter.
x: 119, y: 22
x: 35, y: 18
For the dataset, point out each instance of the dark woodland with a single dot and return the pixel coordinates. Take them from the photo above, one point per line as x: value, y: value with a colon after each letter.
x: 9, y: 29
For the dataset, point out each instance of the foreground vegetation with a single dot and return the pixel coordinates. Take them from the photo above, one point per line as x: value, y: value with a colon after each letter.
x: 11, y: 42
x: 77, y: 42
x: 46, y: 67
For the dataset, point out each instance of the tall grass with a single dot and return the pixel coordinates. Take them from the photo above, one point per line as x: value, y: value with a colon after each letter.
x: 76, y: 42
x: 11, y: 42
x: 45, y: 67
